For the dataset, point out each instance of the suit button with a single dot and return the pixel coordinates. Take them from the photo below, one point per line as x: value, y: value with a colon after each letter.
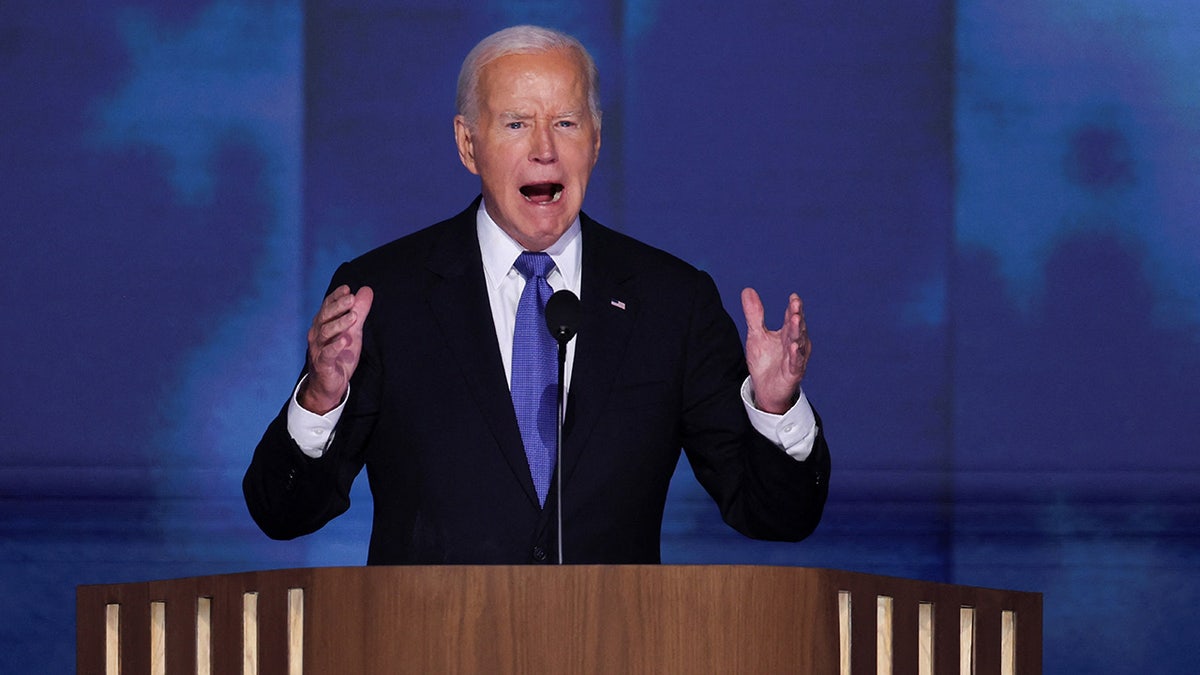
x: 539, y: 554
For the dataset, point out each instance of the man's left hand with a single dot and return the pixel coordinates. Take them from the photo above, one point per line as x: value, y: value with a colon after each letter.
x: 776, y: 358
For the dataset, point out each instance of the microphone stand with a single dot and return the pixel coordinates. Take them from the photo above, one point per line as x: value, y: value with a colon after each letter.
x: 562, y: 320
x: 558, y: 458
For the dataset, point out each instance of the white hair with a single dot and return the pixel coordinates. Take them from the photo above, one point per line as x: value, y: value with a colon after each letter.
x: 520, y: 40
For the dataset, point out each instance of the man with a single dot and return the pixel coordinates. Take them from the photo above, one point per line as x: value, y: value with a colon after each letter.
x: 410, y: 363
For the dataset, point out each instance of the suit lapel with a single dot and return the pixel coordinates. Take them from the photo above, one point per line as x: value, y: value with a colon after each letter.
x: 608, y: 311
x: 458, y: 300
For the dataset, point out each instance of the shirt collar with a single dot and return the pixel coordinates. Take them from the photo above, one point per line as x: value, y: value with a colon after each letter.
x: 499, y: 251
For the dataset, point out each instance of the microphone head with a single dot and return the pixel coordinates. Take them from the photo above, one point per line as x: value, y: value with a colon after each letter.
x: 562, y: 315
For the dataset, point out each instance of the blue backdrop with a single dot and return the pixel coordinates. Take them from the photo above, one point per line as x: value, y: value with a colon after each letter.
x: 988, y: 206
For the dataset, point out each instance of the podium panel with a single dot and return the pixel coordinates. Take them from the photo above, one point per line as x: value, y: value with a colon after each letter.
x: 569, y: 619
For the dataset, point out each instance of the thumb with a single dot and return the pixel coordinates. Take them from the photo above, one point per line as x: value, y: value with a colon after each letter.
x: 753, y: 308
x: 362, y: 304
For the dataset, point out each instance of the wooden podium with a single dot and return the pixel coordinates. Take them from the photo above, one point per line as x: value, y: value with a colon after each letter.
x: 549, y: 619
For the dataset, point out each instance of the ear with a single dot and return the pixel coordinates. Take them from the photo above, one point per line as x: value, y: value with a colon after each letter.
x: 596, y: 147
x: 466, y: 144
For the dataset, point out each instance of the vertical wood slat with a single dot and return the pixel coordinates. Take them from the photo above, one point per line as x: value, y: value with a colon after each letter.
x: 966, y: 641
x: 845, y: 619
x: 169, y: 627
x: 884, y: 624
x: 204, y: 645
x: 250, y: 633
x: 295, y: 631
x: 1008, y: 642
x: 112, y: 639
x: 158, y: 637
x: 925, y: 641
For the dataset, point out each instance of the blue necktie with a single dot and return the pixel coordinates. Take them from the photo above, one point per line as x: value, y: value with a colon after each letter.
x: 535, y: 371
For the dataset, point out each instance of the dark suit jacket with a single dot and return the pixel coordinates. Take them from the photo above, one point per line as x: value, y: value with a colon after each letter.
x: 431, y: 417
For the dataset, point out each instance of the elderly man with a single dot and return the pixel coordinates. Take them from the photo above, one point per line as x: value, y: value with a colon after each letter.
x: 419, y: 363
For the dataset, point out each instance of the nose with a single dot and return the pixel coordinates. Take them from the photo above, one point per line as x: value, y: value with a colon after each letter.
x: 541, y: 145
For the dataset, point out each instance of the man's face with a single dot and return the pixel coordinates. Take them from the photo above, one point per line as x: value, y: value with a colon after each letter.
x: 534, y: 144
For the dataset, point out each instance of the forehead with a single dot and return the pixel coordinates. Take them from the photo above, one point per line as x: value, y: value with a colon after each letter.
x: 555, y: 76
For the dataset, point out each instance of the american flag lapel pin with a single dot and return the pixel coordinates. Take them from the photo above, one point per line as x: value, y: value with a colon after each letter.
x: 619, y: 304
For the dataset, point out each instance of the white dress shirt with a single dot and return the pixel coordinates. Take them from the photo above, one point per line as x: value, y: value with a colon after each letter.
x: 794, y: 431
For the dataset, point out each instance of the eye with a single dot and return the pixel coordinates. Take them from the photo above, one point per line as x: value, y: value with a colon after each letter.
x: 514, y: 125
x: 566, y: 124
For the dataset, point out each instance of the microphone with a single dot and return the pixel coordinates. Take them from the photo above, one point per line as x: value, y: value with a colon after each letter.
x: 562, y: 316
x: 562, y: 320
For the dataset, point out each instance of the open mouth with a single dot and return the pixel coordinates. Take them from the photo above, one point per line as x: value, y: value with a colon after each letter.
x: 542, y: 193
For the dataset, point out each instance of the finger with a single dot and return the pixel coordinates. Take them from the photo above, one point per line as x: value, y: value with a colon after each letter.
x: 344, y: 330
x: 362, y: 306
x: 793, y: 320
x: 335, y: 304
x: 752, y: 307
x: 803, y: 326
x: 792, y: 364
x: 793, y: 307
x: 804, y: 353
x: 338, y: 327
x: 336, y: 295
x: 322, y: 332
x: 804, y: 342
x: 327, y: 354
x: 339, y: 304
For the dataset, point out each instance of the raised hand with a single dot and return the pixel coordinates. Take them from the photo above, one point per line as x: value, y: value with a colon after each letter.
x: 334, y: 347
x: 776, y: 359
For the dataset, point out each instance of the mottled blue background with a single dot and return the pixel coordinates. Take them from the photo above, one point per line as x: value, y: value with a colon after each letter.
x: 989, y: 207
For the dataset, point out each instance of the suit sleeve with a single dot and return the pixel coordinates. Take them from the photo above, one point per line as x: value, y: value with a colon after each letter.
x: 290, y: 494
x: 760, y: 490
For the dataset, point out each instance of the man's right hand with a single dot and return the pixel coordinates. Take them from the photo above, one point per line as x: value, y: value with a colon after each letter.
x: 334, y: 346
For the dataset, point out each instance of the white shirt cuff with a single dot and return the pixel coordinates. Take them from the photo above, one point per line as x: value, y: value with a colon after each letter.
x: 312, y: 432
x: 794, y: 431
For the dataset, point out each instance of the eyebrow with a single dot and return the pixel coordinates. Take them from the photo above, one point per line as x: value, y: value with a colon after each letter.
x: 515, y: 115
